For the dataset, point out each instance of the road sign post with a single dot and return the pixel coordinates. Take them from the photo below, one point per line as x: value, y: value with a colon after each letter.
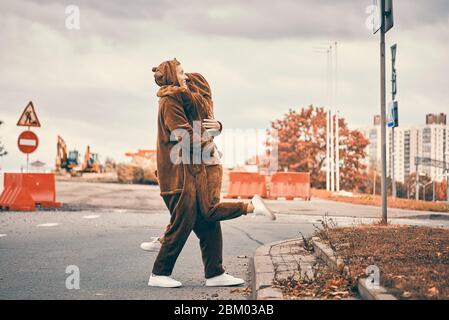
x: 28, y: 141
x: 395, y: 116
x: 386, y: 23
x: 382, y: 114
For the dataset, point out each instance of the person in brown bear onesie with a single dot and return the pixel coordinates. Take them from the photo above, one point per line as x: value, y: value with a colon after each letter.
x: 189, y: 180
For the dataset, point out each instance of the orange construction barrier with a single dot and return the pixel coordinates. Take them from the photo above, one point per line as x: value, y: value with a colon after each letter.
x: 290, y: 185
x: 245, y: 185
x: 25, y: 191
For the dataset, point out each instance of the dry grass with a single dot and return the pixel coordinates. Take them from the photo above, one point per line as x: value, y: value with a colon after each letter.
x: 365, y: 199
x: 413, y: 261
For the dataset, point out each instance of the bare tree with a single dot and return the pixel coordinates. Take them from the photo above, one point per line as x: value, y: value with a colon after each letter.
x: 2, y: 148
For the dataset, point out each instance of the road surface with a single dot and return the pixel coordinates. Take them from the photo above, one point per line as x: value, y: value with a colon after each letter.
x: 101, y: 226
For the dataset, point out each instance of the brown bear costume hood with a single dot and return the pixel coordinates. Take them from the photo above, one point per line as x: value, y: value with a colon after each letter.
x: 165, y: 76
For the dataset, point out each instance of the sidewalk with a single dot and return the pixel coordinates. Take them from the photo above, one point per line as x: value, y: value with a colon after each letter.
x: 288, y: 270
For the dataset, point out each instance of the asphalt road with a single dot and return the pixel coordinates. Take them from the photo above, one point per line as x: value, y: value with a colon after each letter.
x: 99, y: 231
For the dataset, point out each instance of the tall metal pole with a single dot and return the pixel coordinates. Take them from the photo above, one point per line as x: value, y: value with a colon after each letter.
x: 328, y: 102
x: 447, y: 186
x: 417, y: 181
x: 332, y: 88
x: 337, y: 136
x: 374, y: 182
x: 337, y: 153
x: 383, y: 114
x: 327, y: 151
x: 328, y: 93
x: 433, y: 190
x: 393, y: 181
x: 335, y: 74
x: 332, y: 152
x: 446, y: 170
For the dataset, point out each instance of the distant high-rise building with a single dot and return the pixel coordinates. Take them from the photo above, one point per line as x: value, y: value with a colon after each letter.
x: 429, y: 141
x: 436, y: 119
x: 376, y: 120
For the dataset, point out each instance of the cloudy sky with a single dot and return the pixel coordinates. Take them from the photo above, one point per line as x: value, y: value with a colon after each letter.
x: 94, y: 85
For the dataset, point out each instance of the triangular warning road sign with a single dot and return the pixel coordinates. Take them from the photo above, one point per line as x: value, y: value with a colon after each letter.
x: 29, y: 117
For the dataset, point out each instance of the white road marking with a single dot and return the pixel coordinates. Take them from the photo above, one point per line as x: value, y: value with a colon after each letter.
x: 2, y: 235
x: 93, y: 216
x: 47, y: 225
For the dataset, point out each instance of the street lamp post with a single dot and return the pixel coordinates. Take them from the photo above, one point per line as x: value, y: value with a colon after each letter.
x: 424, y: 190
x: 446, y: 172
x: 327, y: 151
x: 417, y: 180
x: 337, y: 152
x: 327, y: 49
x: 433, y: 191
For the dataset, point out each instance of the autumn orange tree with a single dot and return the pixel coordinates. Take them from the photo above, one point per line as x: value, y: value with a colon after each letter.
x: 301, y: 139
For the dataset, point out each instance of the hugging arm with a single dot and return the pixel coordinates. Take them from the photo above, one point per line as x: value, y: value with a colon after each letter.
x: 181, y: 129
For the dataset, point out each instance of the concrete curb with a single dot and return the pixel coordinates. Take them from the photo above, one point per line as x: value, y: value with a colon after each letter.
x: 326, y: 254
x: 264, y: 273
x: 378, y: 293
x: 323, y: 251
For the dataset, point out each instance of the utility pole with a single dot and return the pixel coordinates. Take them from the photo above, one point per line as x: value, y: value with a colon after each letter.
x: 337, y: 154
x: 417, y: 180
x: 331, y: 99
x: 327, y: 151
x: 447, y: 185
x: 446, y: 172
x: 332, y: 164
x: 332, y: 159
x: 337, y: 135
x: 327, y: 49
x: 382, y: 114
x: 374, y: 182
x: 433, y: 190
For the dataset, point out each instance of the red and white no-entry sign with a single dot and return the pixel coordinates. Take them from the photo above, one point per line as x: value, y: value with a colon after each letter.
x: 28, y: 142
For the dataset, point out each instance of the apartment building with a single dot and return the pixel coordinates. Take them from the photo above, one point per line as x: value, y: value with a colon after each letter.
x: 428, y: 141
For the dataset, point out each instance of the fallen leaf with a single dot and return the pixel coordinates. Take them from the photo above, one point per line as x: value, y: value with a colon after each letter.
x: 432, y: 292
x: 340, y: 293
x: 406, y: 294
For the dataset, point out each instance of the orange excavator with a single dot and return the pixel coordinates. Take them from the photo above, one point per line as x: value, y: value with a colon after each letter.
x: 71, y: 163
x: 91, y: 162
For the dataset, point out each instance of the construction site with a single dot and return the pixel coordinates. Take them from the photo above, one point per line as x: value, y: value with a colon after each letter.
x: 72, y: 165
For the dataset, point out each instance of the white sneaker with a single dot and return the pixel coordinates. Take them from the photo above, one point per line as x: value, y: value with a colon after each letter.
x: 224, y: 280
x: 153, y: 246
x: 261, y: 208
x: 163, y: 282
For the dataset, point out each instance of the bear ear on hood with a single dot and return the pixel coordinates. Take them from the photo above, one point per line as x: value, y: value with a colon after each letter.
x: 165, y: 74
